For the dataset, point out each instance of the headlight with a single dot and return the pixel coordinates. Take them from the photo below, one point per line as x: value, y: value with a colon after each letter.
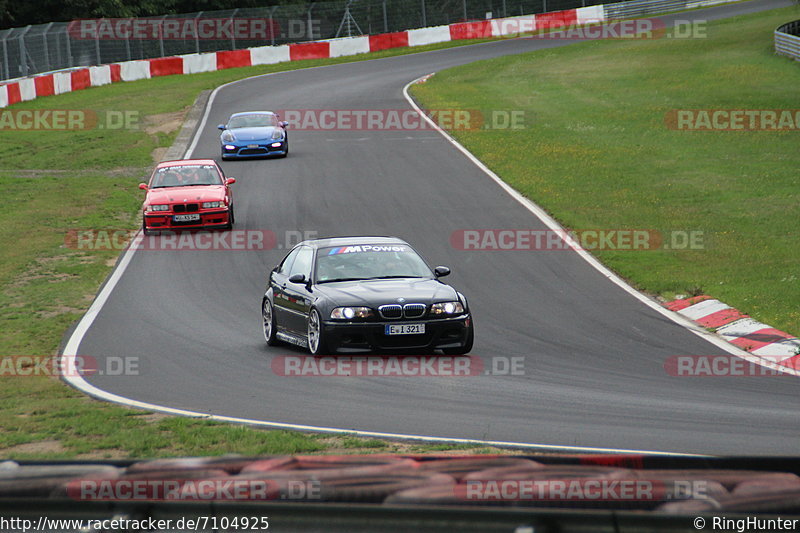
x: 227, y: 137
x: 349, y: 313
x: 276, y: 134
x: 207, y: 205
x: 447, y: 308
x: 159, y: 207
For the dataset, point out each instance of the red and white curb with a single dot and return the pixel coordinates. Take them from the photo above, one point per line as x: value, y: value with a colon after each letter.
x: 81, y: 78
x: 23, y: 89
x: 740, y: 330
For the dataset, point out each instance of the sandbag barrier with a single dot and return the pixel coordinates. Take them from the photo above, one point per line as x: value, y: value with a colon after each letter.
x: 659, y: 484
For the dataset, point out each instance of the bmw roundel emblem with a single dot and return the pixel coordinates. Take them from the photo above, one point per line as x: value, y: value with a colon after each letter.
x: 401, y: 300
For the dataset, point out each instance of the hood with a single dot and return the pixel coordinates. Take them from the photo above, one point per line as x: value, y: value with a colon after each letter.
x: 253, y: 134
x: 379, y: 292
x: 179, y: 195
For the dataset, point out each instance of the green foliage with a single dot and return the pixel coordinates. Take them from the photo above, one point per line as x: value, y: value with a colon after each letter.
x: 596, y: 153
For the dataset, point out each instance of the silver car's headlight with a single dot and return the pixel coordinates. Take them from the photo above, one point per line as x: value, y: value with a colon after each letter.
x: 207, y: 205
x: 349, y: 313
x: 158, y: 207
x: 447, y: 308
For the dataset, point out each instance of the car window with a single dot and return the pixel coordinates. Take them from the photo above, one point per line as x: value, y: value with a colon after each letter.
x: 257, y: 120
x: 370, y: 261
x: 286, y: 264
x: 302, y: 264
x: 185, y: 175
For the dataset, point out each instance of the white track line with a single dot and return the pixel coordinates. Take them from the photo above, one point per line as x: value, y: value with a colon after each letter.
x: 73, y: 344
x: 551, y: 223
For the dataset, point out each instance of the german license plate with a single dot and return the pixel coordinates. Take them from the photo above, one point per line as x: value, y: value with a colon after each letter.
x: 405, y: 329
x: 252, y: 146
x: 186, y: 218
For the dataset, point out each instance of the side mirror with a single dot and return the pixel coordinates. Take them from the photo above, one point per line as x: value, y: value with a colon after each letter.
x: 229, y: 181
x: 441, y: 271
x: 222, y: 127
x: 284, y: 124
x: 143, y: 186
x: 297, y: 278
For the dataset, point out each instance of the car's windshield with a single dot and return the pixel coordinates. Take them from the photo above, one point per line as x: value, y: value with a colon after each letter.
x: 256, y: 120
x: 185, y: 176
x: 375, y: 261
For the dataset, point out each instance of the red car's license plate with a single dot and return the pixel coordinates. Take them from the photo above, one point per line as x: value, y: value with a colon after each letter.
x: 186, y: 218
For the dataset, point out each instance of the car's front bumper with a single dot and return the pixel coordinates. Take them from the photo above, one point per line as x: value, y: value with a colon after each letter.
x: 360, y: 337
x: 165, y: 221
x: 255, y: 149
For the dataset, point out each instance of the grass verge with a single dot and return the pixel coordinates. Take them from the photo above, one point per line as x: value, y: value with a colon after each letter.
x: 597, y: 153
x: 86, y: 178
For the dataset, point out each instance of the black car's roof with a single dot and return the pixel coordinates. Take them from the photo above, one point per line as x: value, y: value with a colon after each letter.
x: 352, y: 241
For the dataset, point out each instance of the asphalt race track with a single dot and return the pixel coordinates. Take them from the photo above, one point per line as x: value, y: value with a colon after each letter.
x: 593, y: 354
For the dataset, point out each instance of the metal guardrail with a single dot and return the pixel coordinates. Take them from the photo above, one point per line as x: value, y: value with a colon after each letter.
x: 787, y: 40
x: 637, y: 8
x: 62, y: 45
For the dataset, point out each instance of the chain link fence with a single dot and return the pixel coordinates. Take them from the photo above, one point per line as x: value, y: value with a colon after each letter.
x: 61, y: 45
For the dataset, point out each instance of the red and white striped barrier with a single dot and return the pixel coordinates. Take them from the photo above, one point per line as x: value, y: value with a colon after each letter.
x: 741, y: 330
x: 78, y: 79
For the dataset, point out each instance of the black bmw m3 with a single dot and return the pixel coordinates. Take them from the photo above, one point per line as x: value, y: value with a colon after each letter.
x: 363, y: 294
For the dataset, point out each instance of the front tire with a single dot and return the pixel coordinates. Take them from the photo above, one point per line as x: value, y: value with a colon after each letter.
x: 466, y: 348
x: 146, y: 231
x: 231, y: 219
x: 268, y: 320
x: 317, y: 344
